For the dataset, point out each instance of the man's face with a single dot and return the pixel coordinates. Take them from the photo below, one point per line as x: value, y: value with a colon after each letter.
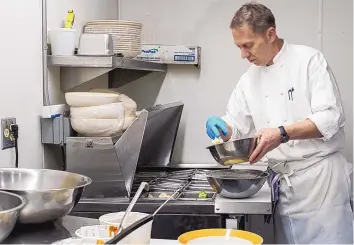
x: 255, y: 47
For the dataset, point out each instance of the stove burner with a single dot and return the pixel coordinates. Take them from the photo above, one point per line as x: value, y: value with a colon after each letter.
x: 163, y: 184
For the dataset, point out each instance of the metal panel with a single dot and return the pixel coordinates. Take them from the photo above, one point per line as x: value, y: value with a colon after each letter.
x: 97, y: 159
x: 160, y: 134
x: 260, y: 203
x: 104, y: 62
x: 55, y: 130
x: 47, y: 134
x: 128, y: 149
x: 109, y: 163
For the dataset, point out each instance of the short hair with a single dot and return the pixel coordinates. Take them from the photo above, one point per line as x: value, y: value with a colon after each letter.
x: 255, y: 15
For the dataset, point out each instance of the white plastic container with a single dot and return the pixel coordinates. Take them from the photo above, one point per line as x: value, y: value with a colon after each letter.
x: 93, y: 233
x: 141, y: 235
x: 63, y: 41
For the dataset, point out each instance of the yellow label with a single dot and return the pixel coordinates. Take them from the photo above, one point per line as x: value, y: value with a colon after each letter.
x: 70, y: 17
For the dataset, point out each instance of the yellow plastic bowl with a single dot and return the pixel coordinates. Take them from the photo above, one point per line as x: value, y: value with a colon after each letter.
x: 226, y: 233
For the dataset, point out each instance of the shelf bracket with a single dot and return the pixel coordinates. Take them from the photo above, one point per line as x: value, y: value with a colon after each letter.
x: 73, y: 77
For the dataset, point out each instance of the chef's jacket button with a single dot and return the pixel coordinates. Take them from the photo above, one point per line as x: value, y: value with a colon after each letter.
x: 266, y: 96
x: 285, y: 120
x: 281, y: 93
x: 281, y: 65
x: 268, y: 121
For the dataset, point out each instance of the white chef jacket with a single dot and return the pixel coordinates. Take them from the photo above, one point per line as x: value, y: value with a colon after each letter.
x: 299, y: 85
x: 314, y: 174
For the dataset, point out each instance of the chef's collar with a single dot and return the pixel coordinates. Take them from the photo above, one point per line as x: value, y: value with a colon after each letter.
x: 281, y: 52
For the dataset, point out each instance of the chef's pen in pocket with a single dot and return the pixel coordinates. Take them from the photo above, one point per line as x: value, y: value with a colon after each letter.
x: 290, y: 94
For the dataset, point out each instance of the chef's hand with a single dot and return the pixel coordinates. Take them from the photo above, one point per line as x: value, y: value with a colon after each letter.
x: 213, y: 125
x: 269, y: 140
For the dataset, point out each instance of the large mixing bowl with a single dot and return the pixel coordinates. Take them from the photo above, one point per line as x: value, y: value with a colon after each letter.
x: 10, y: 206
x: 50, y: 194
x: 237, y: 183
x: 234, y: 151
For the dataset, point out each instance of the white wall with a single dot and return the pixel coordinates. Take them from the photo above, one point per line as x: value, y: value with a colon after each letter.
x: 205, y: 23
x: 21, y: 66
x: 21, y: 78
x: 338, y: 48
x: 85, y: 10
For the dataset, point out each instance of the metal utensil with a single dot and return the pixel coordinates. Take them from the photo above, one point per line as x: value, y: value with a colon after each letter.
x: 263, y: 172
x: 125, y: 232
x: 143, y: 186
x: 237, y: 183
x: 268, y: 169
x: 234, y: 151
x: 50, y: 194
x: 10, y: 207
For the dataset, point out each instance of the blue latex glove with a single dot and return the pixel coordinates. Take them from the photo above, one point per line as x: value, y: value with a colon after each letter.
x: 213, y: 125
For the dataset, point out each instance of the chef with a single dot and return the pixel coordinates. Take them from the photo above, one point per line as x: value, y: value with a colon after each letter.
x: 289, y: 98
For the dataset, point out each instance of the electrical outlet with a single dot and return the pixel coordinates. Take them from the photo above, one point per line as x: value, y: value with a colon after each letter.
x: 7, y: 139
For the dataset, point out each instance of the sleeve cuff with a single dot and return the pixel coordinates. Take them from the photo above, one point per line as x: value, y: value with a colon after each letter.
x: 324, y: 124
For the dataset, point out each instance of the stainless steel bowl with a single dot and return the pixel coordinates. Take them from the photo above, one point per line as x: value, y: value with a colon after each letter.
x: 233, y: 152
x: 50, y: 194
x: 10, y: 206
x: 237, y: 183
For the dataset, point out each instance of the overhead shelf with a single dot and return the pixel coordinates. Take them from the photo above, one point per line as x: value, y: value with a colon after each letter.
x: 76, y: 70
x: 104, y: 62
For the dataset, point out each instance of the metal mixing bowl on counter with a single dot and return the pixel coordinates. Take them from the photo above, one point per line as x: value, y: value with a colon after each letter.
x: 234, y: 151
x: 237, y: 183
x: 10, y: 207
x: 50, y: 194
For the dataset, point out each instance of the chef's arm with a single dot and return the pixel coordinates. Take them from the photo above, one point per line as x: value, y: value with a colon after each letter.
x: 326, y: 117
x: 238, y: 117
x: 326, y: 103
x: 303, y: 130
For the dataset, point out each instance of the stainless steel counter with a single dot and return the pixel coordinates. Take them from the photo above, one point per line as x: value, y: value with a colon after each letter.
x: 185, y: 215
x: 49, y: 232
x: 260, y: 203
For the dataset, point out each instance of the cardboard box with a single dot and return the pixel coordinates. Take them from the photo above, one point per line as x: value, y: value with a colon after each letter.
x: 170, y: 54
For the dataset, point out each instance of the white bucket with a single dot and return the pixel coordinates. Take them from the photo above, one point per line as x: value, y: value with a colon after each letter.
x: 63, y: 41
x: 140, y: 236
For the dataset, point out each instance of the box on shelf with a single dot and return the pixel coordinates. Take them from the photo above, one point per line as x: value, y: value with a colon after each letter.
x: 170, y: 54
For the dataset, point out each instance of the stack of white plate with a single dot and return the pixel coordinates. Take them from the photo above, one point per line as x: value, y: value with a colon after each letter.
x: 126, y: 35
